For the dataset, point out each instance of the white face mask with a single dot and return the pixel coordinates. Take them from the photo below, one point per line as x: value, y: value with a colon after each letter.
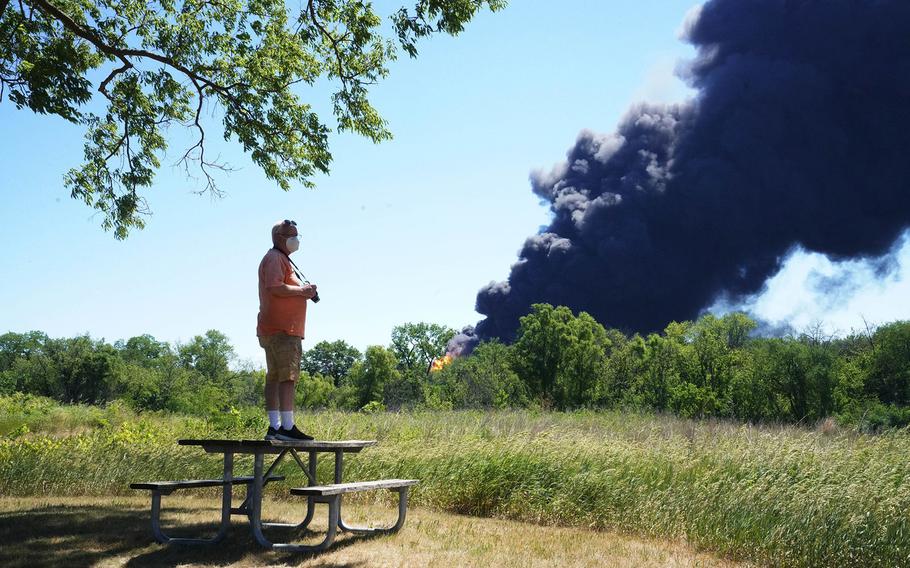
x: 293, y: 244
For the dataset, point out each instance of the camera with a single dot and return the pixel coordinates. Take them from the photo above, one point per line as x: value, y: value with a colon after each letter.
x: 315, y: 298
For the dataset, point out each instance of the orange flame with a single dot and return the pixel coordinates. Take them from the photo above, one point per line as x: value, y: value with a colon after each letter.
x: 440, y: 362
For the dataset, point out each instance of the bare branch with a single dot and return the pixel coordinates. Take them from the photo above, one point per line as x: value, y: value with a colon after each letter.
x: 210, y: 185
x: 103, y: 87
x: 116, y: 147
x: 870, y: 333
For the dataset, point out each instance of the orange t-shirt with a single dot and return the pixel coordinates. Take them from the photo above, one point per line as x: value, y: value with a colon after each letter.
x: 279, y: 314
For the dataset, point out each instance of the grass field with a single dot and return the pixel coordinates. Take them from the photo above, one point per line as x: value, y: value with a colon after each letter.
x: 91, y: 531
x: 770, y: 495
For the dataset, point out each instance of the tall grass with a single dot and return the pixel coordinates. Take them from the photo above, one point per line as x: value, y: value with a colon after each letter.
x: 784, y: 496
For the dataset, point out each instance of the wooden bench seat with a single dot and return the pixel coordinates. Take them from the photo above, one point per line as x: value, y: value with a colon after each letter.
x: 166, y: 487
x: 341, y: 488
x: 332, y: 494
x: 159, y: 488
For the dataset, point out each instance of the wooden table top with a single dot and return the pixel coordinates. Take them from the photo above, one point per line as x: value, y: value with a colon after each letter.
x: 276, y: 446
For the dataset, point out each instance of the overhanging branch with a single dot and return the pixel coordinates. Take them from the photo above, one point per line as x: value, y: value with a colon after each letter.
x: 124, y: 53
x: 311, y: 9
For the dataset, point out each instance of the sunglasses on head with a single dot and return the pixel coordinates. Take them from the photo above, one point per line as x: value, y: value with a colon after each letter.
x: 289, y: 222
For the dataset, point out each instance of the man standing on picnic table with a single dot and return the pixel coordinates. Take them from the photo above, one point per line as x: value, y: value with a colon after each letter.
x: 282, y: 318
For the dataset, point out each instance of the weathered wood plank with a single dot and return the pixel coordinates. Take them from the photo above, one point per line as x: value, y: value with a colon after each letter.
x: 325, y: 444
x: 339, y: 488
x: 195, y: 483
x: 277, y: 446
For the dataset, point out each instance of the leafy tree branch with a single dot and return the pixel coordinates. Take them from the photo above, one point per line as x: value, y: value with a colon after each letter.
x: 159, y: 64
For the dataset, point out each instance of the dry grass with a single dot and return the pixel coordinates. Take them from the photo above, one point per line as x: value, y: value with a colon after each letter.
x: 97, y: 531
x: 784, y: 496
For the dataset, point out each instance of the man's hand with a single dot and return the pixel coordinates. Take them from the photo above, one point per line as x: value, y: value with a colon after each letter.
x: 309, y: 291
x: 289, y: 291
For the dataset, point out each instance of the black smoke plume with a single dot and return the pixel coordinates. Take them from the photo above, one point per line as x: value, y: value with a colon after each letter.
x: 799, y: 134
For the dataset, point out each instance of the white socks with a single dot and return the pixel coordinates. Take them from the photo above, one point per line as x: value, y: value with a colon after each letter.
x: 281, y: 419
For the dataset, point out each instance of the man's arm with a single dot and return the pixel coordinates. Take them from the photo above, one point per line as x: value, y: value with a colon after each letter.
x: 287, y: 290
x: 272, y: 274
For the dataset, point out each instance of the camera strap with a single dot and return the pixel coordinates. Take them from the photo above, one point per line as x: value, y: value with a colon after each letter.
x: 296, y: 270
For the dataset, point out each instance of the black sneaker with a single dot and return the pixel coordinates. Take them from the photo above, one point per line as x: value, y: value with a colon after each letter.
x: 292, y: 435
x: 272, y: 434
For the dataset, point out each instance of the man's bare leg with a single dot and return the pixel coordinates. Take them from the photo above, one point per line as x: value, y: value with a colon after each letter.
x: 271, y: 409
x: 272, y: 396
x: 285, y: 400
x: 286, y: 403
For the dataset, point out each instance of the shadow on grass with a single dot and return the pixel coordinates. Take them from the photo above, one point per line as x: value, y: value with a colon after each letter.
x: 81, y: 535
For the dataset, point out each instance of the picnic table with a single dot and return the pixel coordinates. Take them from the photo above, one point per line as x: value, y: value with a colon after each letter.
x: 251, y: 507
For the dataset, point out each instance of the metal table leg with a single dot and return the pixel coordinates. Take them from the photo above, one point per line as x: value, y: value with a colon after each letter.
x: 226, y: 497
x: 310, y: 470
x: 256, y: 512
x: 243, y: 509
x: 310, y: 503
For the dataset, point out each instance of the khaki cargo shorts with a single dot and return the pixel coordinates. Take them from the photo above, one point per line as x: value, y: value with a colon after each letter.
x: 282, y: 357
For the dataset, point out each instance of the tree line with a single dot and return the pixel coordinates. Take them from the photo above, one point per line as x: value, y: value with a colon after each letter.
x: 712, y: 367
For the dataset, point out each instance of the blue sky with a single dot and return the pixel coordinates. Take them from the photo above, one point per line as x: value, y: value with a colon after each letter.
x: 407, y: 230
